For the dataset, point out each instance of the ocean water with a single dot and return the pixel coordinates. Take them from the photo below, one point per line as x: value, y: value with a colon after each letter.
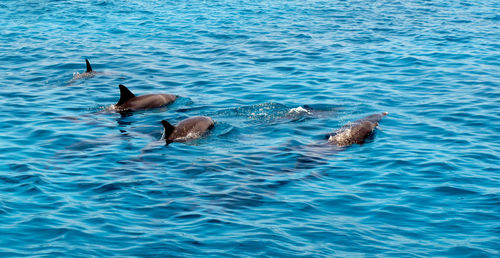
x: 77, y: 180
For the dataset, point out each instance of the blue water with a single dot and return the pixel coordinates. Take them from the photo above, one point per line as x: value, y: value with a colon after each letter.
x: 77, y: 180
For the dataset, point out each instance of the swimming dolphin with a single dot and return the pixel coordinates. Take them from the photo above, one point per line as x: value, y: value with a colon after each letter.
x: 129, y: 102
x: 187, y: 129
x: 356, y: 132
x: 87, y: 74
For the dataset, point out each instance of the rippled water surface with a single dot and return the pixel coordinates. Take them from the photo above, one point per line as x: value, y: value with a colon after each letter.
x: 78, y: 180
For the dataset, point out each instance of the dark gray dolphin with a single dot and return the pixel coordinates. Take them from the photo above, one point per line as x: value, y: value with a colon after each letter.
x: 129, y: 102
x: 187, y: 129
x: 356, y: 132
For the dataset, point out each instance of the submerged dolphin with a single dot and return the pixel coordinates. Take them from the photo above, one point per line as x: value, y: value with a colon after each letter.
x: 129, y: 102
x: 87, y: 74
x: 187, y: 129
x: 353, y: 133
x: 357, y: 132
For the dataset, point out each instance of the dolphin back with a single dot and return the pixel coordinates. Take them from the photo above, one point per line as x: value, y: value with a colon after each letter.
x: 187, y: 129
x: 356, y: 132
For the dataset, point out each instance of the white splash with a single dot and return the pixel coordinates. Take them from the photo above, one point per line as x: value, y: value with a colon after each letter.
x: 298, y: 110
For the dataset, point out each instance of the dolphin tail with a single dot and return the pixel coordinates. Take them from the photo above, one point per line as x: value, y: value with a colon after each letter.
x: 89, y: 68
x: 168, y: 129
x: 125, y: 95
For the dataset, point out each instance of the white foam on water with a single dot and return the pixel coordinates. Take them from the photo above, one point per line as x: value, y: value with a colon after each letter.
x: 299, y: 110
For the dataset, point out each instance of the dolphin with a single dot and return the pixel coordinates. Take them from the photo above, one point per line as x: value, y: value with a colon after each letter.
x: 187, y: 129
x: 87, y: 74
x: 129, y: 102
x: 356, y: 132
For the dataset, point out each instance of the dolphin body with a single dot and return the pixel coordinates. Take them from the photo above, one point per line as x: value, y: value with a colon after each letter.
x: 356, y: 132
x: 187, y: 129
x: 130, y: 102
x: 87, y: 74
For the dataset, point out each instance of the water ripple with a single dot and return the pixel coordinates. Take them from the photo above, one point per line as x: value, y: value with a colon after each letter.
x: 277, y: 77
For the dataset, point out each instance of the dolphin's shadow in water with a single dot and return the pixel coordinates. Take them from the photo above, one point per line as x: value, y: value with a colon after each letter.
x: 103, y: 117
x: 359, y: 132
x: 320, y: 153
x: 272, y: 113
x: 226, y: 129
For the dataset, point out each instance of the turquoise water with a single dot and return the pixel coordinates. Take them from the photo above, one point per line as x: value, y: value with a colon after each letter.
x: 76, y: 180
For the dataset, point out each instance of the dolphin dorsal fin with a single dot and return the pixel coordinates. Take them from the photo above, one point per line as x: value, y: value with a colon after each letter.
x: 125, y: 95
x: 89, y: 68
x: 169, y: 129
